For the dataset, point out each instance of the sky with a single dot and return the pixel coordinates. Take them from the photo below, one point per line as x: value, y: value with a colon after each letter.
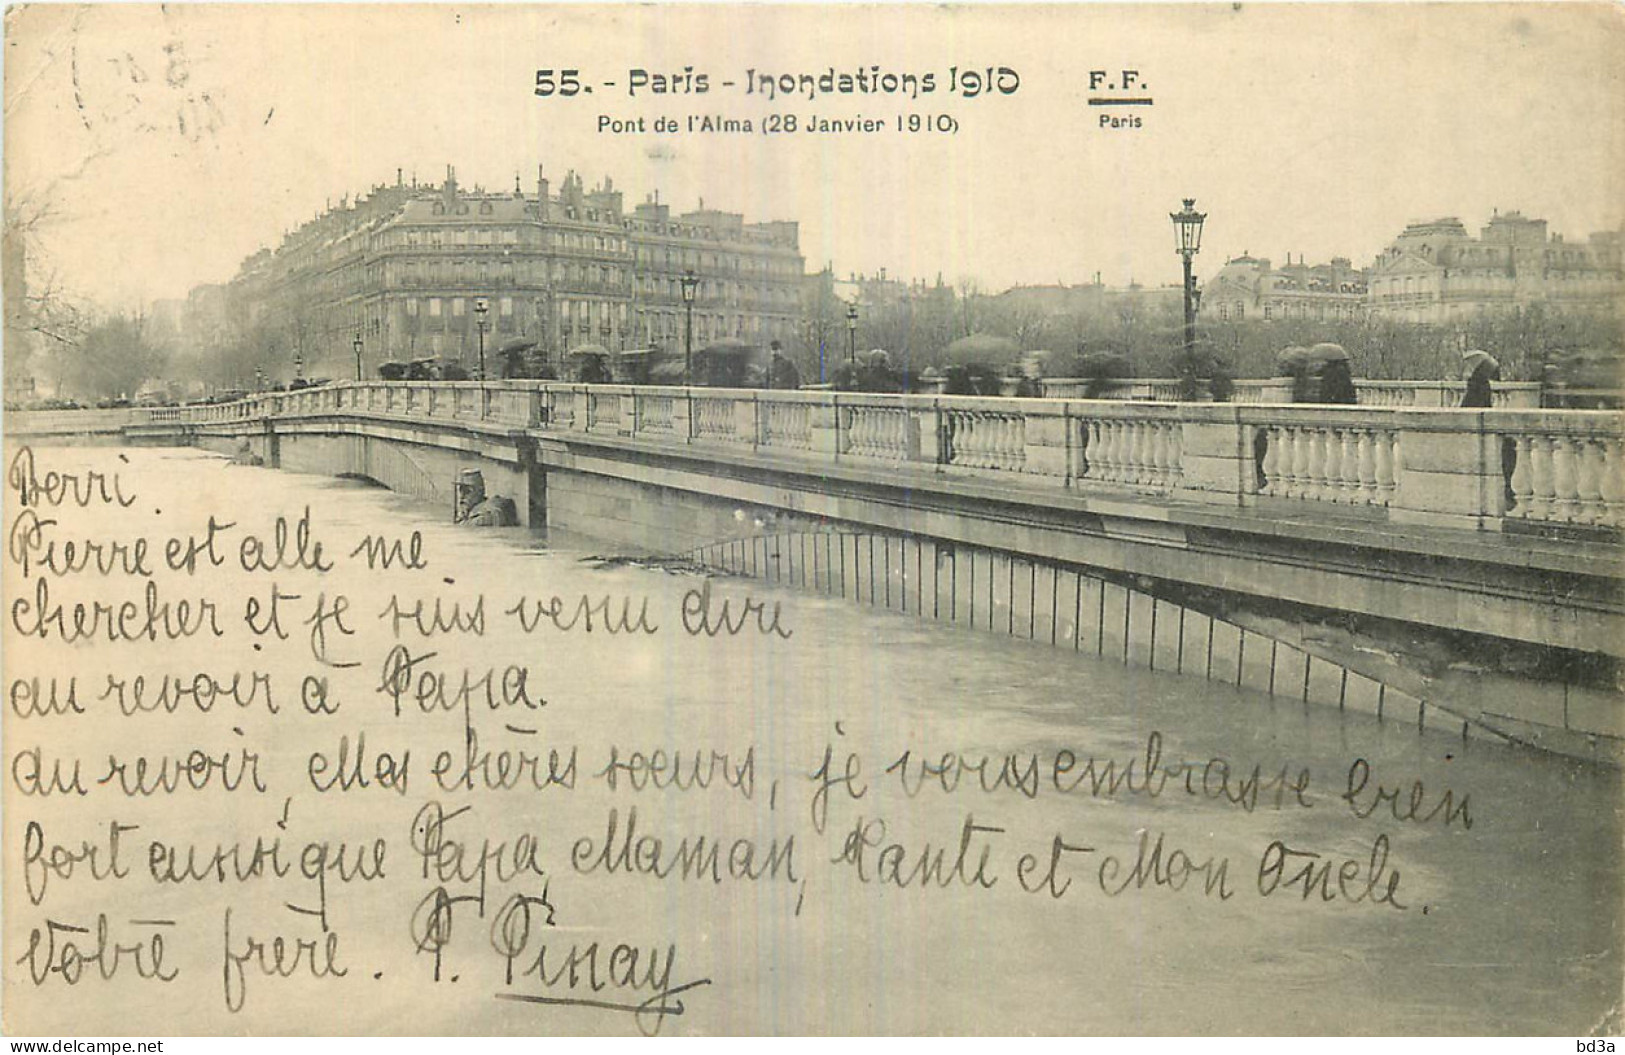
x: 168, y: 143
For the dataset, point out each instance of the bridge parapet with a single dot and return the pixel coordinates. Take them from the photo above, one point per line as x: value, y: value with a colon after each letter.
x: 1370, y: 392
x: 1452, y: 467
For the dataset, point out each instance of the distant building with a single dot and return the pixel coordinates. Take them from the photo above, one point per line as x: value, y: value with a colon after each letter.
x: 405, y: 266
x: 1435, y: 272
x: 1247, y: 287
x: 1056, y: 300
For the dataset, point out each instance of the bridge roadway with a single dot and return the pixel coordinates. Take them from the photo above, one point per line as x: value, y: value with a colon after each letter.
x: 1396, y: 541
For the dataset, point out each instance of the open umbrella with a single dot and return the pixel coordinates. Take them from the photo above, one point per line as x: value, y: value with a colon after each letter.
x: 1326, y: 352
x: 589, y: 349
x: 1290, y: 359
x: 1472, y: 360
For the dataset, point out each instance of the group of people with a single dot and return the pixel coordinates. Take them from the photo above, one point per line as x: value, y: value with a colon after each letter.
x: 1324, y: 374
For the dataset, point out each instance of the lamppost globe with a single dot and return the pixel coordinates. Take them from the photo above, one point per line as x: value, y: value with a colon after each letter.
x: 1188, y: 227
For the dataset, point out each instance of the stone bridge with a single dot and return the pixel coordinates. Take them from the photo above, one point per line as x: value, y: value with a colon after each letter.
x: 1468, y: 557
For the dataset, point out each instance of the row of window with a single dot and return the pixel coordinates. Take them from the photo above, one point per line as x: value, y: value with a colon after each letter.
x: 1291, y: 309
x: 676, y: 257
x: 436, y: 306
x: 575, y: 315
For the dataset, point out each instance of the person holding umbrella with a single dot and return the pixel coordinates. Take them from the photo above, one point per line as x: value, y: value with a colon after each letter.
x: 1479, y: 368
x: 1331, y: 362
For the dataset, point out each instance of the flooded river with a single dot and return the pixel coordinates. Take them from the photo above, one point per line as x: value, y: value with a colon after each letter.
x: 517, y: 790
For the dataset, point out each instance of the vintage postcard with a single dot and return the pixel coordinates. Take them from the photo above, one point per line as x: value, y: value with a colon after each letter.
x: 714, y: 520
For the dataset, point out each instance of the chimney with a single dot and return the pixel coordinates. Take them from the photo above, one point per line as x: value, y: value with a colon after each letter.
x: 542, y: 194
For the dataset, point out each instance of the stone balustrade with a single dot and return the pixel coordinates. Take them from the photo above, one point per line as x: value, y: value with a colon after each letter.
x: 1410, y: 464
x: 1567, y: 467
x: 1519, y: 394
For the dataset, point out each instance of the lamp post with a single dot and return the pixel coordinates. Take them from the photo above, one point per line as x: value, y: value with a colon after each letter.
x: 481, y: 306
x: 691, y: 285
x: 357, y: 346
x: 851, y: 333
x: 1188, y: 227
x: 298, y: 366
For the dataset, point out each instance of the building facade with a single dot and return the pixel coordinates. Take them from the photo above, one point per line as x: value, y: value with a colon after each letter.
x: 1248, y: 287
x: 405, y: 267
x: 1435, y: 272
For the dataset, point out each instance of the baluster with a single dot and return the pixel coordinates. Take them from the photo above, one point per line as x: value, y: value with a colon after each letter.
x: 1365, y: 468
x: 1611, y: 487
x: 1309, y: 440
x: 1588, y: 480
x: 1540, y: 478
x: 1176, y: 452
x: 1331, y: 464
x: 1122, y: 452
x: 1105, y: 448
x: 1348, y: 473
x: 1271, y: 465
x: 1331, y: 459
x: 1133, y: 451
x: 1566, y: 504
x: 1159, y: 454
x: 1522, y: 477
x: 1118, y: 455
x: 1297, y: 448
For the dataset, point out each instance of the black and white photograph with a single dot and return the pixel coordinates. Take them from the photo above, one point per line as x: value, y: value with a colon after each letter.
x: 813, y: 520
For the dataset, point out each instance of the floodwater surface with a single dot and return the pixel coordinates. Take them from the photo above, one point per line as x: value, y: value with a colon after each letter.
x: 513, y: 789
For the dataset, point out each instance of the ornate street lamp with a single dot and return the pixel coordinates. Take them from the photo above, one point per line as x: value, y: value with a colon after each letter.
x: 851, y: 333
x: 357, y: 346
x: 1188, y: 227
x: 691, y: 285
x: 481, y: 306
